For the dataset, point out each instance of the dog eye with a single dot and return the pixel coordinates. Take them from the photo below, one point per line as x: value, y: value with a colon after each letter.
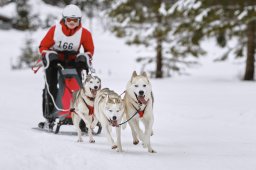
x: 90, y: 81
x: 144, y: 85
x: 110, y: 110
x: 117, y: 111
x: 136, y: 85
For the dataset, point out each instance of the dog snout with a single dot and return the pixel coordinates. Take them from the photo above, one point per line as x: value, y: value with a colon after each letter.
x: 141, y: 93
x: 95, y: 87
x: 114, y: 117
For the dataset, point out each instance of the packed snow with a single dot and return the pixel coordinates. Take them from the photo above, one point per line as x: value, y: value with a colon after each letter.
x: 204, y: 121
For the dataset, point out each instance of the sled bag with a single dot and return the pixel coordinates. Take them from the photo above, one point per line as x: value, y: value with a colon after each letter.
x: 69, y: 82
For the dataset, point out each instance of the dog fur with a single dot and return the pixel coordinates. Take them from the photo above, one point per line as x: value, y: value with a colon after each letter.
x: 109, y: 110
x: 82, y: 100
x: 138, y: 98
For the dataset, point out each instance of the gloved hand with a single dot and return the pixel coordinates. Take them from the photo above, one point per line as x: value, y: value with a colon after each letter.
x: 84, y: 61
x: 49, y: 57
x: 85, y: 58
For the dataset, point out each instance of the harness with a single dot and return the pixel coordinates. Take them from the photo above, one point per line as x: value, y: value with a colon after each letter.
x: 140, y: 112
x: 91, y: 108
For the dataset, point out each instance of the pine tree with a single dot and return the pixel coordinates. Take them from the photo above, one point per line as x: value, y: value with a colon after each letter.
x: 145, y: 23
x: 22, y: 22
x: 224, y: 20
x: 28, y: 56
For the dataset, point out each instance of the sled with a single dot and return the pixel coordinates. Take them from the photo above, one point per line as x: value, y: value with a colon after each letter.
x: 68, y: 83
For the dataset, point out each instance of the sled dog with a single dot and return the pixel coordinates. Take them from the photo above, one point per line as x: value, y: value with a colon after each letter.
x: 109, y: 110
x: 139, y: 99
x: 83, y: 105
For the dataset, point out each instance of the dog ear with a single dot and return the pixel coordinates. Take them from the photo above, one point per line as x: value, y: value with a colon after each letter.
x: 107, y: 98
x: 144, y: 74
x: 134, y: 74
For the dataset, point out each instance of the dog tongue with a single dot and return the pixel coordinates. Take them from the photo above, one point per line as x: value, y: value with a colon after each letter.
x: 94, y: 92
x: 142, y: 99
x: 114, y: 123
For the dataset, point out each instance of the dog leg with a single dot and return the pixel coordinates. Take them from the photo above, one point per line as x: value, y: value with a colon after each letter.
x: 134, y: 136
x: 76, y: 121
x: 109, y: 137
x: 87, y: 119
x: 148, y: 131
x: 134, y: 124
x: 91, y: 140
x: 118, y: 135
x: 94, y: 123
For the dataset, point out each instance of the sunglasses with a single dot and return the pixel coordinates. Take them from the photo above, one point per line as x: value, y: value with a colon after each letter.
x: 72, y: 19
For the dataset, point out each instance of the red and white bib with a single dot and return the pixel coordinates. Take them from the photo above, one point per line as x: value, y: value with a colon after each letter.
x: 66, y: 43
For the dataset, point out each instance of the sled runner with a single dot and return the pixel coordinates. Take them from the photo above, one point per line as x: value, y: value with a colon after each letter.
x: 56, y: 108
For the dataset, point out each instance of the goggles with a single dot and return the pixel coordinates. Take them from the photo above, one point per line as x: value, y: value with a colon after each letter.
x: 72, y: 19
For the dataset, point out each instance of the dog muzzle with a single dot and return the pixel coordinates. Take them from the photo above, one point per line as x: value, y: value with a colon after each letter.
x: 113, y: 123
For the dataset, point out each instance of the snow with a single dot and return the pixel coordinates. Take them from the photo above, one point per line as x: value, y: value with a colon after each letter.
x: 199, y: 18
x: 7, y: 10
x: 205, y: 121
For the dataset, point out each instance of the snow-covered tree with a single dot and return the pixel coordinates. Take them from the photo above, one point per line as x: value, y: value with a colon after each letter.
x: 225, y: 20
x: 146, y: 23
x: 28, y: 55
x: 21, y: 21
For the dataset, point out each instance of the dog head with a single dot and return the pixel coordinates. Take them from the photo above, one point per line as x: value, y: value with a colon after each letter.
x: 91, y: 85
x: 139, y: 87
x: 114, y: 109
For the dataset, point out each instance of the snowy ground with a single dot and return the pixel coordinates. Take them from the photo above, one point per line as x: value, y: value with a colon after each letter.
x: 205, y: 121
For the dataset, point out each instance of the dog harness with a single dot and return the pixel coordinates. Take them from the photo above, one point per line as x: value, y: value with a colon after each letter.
x: 140, y: 112
x: 91, y: 108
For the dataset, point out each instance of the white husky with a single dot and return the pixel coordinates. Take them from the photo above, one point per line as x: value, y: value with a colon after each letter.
x: 109, y: 110
x: 83, y: 104
x: 139, y: 99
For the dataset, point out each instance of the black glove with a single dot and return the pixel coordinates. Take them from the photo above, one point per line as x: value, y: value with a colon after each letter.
x: 50, y: 57
x: 85, y: 59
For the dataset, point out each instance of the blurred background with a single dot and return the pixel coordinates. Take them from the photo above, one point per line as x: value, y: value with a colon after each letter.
x: 173, y: 34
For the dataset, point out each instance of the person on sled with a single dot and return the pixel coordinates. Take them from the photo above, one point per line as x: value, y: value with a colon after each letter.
x: 62, y: 44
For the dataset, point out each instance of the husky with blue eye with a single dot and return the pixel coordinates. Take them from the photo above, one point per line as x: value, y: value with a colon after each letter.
x: 138, y: 101
x: 109, y: 110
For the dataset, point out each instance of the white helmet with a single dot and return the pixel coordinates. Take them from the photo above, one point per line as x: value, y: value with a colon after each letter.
x: 72, y: 11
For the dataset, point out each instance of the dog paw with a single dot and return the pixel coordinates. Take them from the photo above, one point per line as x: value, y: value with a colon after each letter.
x: 151, y: 151
x: 135, y: 142
x: 119, y: 150
x: 92, y: 141
x: 80, y: 140
x: 114, y: 147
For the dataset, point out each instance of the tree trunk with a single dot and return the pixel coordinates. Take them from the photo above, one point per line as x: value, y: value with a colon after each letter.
x: 249, y: 70
x: 159, y: 49
x: 159, y: 64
